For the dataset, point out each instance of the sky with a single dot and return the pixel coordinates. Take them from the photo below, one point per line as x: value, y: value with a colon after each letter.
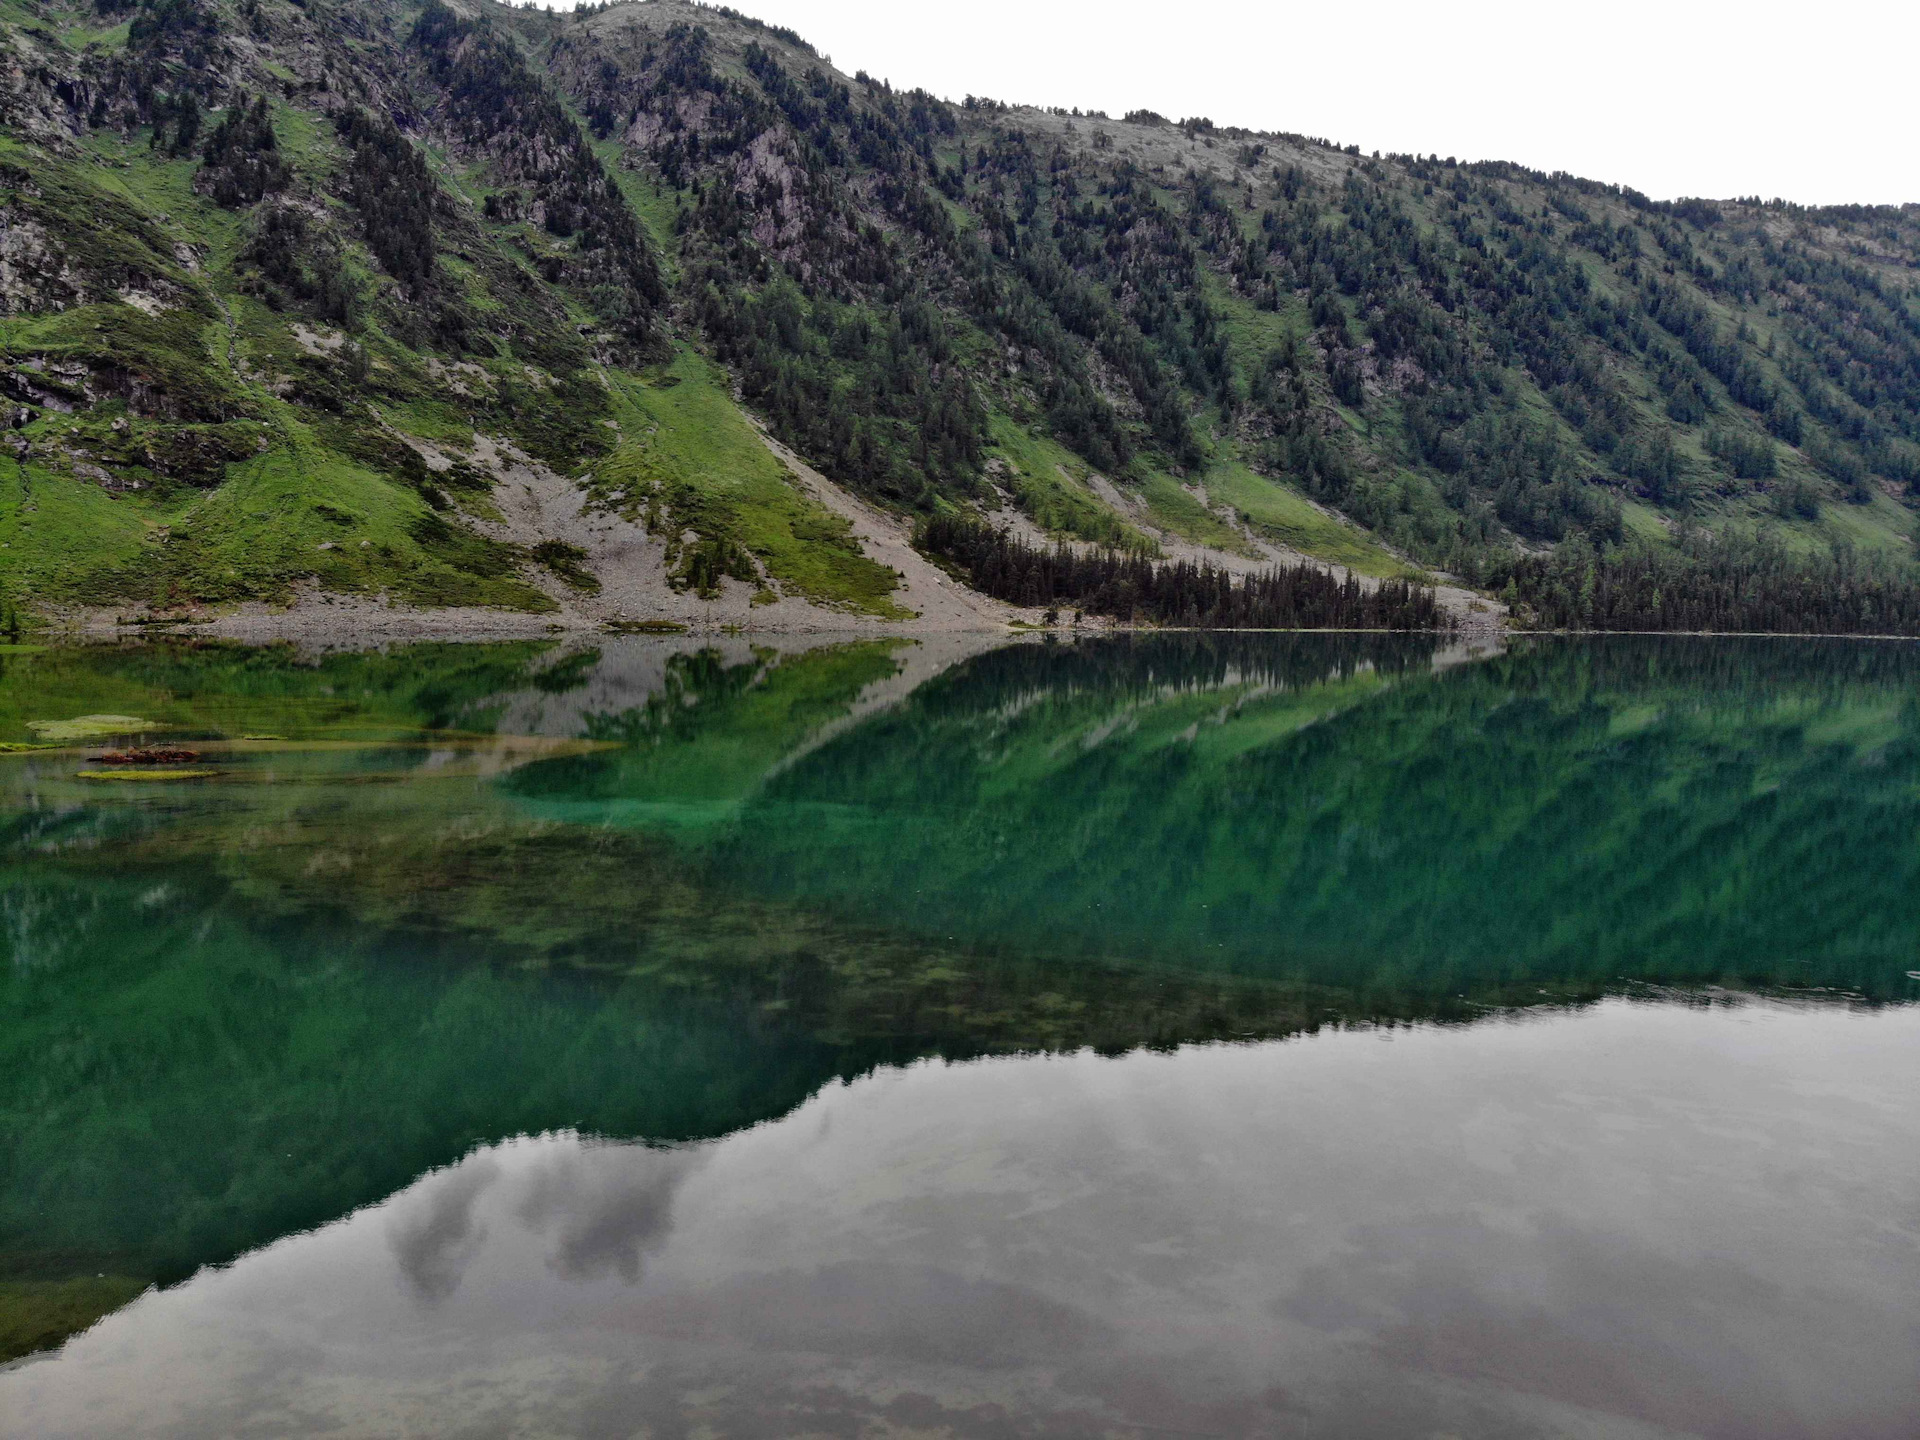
x: 1815, y: 102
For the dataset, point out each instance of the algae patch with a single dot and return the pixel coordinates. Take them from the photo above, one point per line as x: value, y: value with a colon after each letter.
x: 145, y: 775
x: 90, y: 727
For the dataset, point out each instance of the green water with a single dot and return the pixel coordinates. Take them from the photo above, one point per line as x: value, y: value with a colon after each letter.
x: 665, y: 892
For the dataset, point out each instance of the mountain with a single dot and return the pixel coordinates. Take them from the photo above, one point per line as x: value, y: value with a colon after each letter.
x: 474, y: 305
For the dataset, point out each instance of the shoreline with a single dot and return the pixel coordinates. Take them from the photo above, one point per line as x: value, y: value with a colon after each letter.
x: 346, y: 621
x: 328, y: 621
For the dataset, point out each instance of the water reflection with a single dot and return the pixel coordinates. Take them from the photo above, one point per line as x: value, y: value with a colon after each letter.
x: 699, y: 919
x: 435, y: 1238
x: 1641, y: 1219
x: 603, y: 1206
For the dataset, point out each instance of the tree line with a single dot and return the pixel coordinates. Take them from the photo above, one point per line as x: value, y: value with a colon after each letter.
x: 1735, y: 584
x: 1133, y: 588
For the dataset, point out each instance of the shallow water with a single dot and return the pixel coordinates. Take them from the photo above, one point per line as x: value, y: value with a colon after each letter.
x: 1249, y: 1035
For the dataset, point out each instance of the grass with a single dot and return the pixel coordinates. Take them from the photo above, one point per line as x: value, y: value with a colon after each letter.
x: 1174, y: 509
x: 1643, y: 522
x: 688, y: 460
x: 435, y: 420
x: 307, y: 140
x: 172, y: 353
x: 66, y: 539
x: 159, y: 185
x: 90, y: 727
x: 656, y: 206
x: 1287, y: 517
x: 1252, y: 333
x: 302, y: 511
x: 1048, y: 482
x: 1883, y: 525
x: 295, y: 513
x: 111, y: 37
x: 305, y: 510
x: 259, y: 523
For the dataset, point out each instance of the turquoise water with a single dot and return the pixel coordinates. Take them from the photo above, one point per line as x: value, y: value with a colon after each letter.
x: 1235, y: 1035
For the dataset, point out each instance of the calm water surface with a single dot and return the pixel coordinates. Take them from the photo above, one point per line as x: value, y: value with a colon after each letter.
x: 1264, y: 1035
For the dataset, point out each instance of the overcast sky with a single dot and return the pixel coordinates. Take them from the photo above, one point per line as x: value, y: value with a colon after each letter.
x: 1818, y: 102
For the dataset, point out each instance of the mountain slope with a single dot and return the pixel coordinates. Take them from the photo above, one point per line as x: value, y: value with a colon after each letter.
x: 290, y: 291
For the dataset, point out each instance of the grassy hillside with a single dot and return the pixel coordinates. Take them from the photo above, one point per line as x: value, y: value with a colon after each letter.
x: 236, y: 387
x: 274, y: 272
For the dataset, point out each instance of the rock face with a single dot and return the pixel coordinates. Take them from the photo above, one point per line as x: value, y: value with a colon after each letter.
x: 286, y: 281
x: 32, y: 274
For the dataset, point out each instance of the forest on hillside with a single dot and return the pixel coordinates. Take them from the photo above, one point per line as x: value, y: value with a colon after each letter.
x: 950, y: 307
x: 1134, y: 589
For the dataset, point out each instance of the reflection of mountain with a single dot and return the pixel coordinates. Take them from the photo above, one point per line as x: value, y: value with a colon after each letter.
x: 242, y: 1010
x: 1674, y: 811
x: 180, y: 1087
x: 1670, y: 812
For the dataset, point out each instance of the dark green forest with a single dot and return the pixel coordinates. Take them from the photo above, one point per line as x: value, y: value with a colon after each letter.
x: 1734, y: 585
x: 1132, y: 588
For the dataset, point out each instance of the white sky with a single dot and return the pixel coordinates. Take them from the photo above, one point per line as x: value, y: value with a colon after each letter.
x: 1818, y: 101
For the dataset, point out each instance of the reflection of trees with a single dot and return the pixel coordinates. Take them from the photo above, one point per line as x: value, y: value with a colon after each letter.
x: 1145, y: 842
x: 217, y: 688
x: 693, y: 688
x: 193, y: 1080
x: 41, y: 928
x: 1575, y: 813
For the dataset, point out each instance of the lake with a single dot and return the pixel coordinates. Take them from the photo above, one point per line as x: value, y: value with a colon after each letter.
x: 1198, y: 1034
